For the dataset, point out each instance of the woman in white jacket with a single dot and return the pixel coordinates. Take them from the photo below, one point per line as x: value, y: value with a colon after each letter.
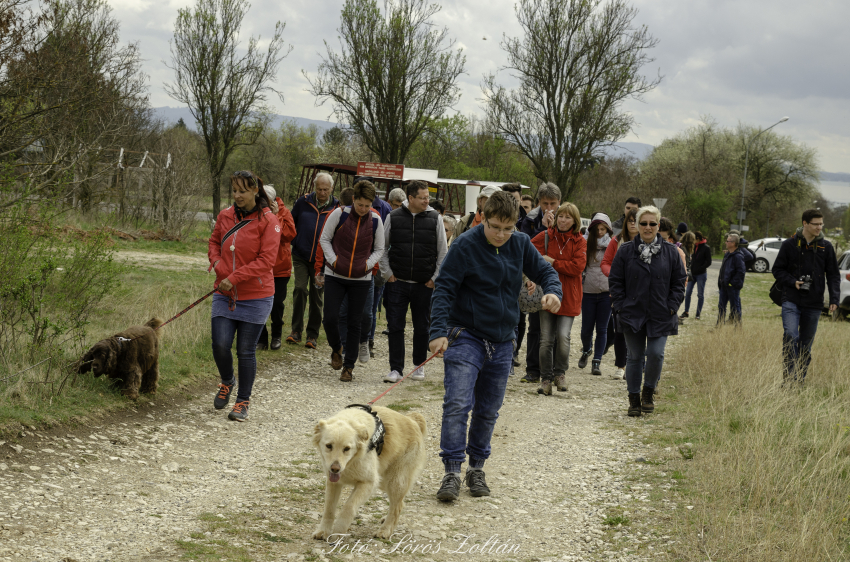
x: 595, y: 300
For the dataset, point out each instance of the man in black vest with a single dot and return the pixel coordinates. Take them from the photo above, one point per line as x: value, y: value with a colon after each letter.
x: 416, y: 239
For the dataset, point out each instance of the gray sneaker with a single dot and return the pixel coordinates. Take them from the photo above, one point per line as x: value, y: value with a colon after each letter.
x: 450, y: 488
x: 475, y: 482
x: 363, y: 356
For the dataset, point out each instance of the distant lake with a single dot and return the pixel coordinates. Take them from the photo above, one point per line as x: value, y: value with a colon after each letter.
x: 836, y: 191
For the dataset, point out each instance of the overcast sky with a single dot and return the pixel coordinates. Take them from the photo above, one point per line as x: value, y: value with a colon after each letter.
x: 751, y: 61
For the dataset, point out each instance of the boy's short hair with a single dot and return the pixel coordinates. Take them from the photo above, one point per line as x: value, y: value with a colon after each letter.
x: 364, y: 190
x: 512, y: 188
x: 502, y: 206
x: 438, y: 206
x: 346, y: 196
x: 810, y: 214
x: 571, y: 210
x: 634, y: 201
x: 528, y: 198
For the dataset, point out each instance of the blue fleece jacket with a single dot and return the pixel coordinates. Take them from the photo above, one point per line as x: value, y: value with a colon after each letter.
x: 478, y: 287
x: 309, y: 222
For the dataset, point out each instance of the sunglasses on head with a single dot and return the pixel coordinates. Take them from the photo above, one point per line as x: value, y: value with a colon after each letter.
x: 245, y: 174
x: 652, y: 224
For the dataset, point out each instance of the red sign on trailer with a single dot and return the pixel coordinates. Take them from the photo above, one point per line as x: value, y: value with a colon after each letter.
x: 378, y: 170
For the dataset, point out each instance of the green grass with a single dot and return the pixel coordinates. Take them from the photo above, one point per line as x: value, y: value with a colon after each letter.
x: 403, y: 406
x: 614, y: 520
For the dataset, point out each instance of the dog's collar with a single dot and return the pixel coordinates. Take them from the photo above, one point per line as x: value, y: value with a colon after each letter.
x: 376, y: 442
x: 122, y: 340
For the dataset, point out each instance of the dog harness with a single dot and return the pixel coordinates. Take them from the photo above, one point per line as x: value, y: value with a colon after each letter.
x: 376, y: 442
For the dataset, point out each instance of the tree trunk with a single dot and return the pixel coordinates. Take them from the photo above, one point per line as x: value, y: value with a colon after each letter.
x: 216, y: 195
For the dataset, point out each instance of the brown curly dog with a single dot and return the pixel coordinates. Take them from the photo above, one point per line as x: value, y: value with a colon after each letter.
x: 131, y: 357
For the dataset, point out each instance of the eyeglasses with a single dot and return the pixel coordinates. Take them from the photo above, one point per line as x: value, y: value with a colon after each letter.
x: 652, y: 224
x: 506, y: 231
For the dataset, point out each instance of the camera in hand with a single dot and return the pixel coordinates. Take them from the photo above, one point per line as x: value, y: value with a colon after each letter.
x: 807, y: 284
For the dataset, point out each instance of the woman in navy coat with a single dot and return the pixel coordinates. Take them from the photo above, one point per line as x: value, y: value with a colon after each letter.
x: 647, y: 285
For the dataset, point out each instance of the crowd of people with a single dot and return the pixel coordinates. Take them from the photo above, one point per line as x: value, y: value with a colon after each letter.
x: 461, y: 280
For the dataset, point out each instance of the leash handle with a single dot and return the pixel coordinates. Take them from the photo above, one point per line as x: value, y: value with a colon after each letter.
x: 402, y: 379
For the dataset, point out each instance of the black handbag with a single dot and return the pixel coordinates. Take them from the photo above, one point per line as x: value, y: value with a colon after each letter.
x: 776, y: 293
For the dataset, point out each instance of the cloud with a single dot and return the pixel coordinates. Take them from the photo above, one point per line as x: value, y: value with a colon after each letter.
x: 740, y: 61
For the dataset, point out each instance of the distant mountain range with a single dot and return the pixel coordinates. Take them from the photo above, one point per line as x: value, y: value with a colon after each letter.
x: 638, y: 150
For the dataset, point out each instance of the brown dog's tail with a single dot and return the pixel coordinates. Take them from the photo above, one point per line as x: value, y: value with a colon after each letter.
x: 419, y: 419
x: 153, y: 323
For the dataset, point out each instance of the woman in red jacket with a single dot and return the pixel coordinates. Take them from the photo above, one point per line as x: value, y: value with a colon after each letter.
x: 566, y: 253
x: 242, y: 250
x: 282, y: 270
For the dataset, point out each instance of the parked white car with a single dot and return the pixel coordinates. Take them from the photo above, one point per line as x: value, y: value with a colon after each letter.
x: 765, y: 251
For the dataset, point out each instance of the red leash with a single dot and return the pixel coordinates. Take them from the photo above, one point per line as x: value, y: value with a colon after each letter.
x: 402, y: 379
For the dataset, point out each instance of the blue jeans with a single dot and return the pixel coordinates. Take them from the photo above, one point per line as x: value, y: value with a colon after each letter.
x: 799, y: 326
x: 376, y: 301
x: 476, y: 375
x: 595, y: 313
x: 554, y: 344
x: 640, y: 346
x: 247, y: 335
x: 366, y: 321
x: 700, y: 283
x: 731, y: 296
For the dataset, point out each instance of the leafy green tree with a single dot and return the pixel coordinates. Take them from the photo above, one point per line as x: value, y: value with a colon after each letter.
x: 394, y: 73
x: 578, y: 62
x: 222, y: 85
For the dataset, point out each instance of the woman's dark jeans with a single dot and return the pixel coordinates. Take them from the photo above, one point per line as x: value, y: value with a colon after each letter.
x: 336, y: 289
x: 595, y: 313
x: 247, y: 335
x: 700, y: 284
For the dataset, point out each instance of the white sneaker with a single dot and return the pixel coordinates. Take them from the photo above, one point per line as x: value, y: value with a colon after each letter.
x: 418, y: 374
x: 392, y: 376
x: 621, y: 374
x: 364, y: 352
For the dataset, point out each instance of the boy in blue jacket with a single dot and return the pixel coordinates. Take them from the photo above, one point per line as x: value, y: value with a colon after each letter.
x: 474, y: 310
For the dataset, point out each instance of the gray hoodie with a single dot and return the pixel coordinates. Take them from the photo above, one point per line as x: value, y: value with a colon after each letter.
x: 594, y: 280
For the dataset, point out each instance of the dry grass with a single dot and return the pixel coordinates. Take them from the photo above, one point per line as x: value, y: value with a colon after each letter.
x: 770, y: 478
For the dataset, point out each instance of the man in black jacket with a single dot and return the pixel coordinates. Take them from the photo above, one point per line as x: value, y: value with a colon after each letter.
x: 805, y: 265
x: 731, y: 281
x: 416, y: 245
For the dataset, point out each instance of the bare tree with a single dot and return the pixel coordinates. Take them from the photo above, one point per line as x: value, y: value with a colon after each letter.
x: 577, y: 64
x: 394, y: 73
x: 221, y: 88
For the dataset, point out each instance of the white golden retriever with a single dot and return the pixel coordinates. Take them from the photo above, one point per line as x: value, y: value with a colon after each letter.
x: 345, y: 444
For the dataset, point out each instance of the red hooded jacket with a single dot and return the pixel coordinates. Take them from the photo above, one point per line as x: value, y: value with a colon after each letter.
x: 283, y: 265
x: 569, y: 251
x: 247, y: 257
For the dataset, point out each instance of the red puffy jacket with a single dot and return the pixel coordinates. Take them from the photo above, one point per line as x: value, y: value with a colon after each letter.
x: 283, y: 265
x: 569, y: 251
x: 246, y: 257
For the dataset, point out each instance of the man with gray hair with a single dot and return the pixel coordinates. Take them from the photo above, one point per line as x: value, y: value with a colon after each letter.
x: 396, y: 197
x: 309, y: 213
x: 731, y: 281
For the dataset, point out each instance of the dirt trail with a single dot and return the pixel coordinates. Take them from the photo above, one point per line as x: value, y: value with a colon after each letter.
x: 173, y: 262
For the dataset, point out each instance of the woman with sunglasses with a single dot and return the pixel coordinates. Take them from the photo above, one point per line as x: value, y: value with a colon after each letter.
x: 647, y: 284
x: 629, y: 232
x: 565, y: 251
x: 242, y: 250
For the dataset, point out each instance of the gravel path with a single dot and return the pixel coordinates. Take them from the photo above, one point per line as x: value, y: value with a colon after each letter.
x: 176, y: 480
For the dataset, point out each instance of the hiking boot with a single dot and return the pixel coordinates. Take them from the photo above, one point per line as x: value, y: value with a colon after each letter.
x: 392, y: 376
x: 418, y: 374
x: 364, y: 356
x: 545, y: 389
x: 475, y: 482
x: 582, y: 362
x: 560, y: 383
x: 634, y: 405
x: 223, y: 396
x: 275, y: 343
x: 595, y: 370
x: 262, y: 346
x: 240, y: 411
x: 311, y: 343
x: 294, y: 337
x: 449, y: 488
x: 336, y: 359
x: 347, y: 374
x: 372, y: 348
x: 646, y: 403
x: 530, y: 378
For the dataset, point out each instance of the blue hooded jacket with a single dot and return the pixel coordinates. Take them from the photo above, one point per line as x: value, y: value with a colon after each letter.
x: 479, y: 284
x: 308, y: 225
x: 733, y: 270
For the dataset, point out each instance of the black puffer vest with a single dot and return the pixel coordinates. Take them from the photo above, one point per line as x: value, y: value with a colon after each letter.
x: 413, y: 244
